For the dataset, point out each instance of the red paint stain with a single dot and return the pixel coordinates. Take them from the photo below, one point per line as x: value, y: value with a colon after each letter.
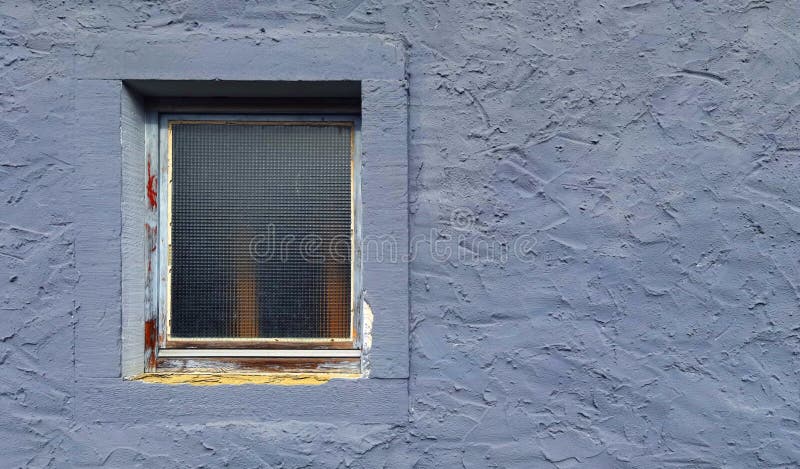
x: 150, y: 335
x: 151, y: 235
x: 152, y: 186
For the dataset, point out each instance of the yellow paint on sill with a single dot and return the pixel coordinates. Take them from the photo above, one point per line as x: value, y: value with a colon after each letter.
x: 214, y: 379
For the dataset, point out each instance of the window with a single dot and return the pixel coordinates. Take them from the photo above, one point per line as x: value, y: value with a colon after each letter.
x: 256, y: 243
x: 246, y: 325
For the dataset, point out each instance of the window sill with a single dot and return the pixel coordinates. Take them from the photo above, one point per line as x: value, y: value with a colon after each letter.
x: 306, y: 353
x: 254, y: 365
x: 215, y: 379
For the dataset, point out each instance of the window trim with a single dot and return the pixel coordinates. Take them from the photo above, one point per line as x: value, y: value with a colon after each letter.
x: 111, y: 103
x: 264, y: 354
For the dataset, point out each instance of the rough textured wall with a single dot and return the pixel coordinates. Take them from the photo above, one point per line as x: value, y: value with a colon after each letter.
x: 649, y: 147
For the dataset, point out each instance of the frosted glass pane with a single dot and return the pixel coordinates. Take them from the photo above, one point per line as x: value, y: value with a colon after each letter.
x: 261, y: 222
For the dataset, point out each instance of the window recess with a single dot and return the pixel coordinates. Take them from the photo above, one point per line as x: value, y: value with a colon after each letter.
x: 255, y: 243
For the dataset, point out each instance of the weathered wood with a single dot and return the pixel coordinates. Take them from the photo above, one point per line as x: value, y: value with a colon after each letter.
x: 259, y: 365
x: 263, y: 344
x: 294, y: 353
x: 152, y: 272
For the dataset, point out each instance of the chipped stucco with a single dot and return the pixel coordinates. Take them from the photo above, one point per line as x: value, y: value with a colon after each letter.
x: 648, y: 149
x: 366, y: 334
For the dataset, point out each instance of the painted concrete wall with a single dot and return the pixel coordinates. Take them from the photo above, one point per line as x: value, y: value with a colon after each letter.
x: 645, y: 151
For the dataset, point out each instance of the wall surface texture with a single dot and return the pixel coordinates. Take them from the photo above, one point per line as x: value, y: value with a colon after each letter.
x: 647, y: 152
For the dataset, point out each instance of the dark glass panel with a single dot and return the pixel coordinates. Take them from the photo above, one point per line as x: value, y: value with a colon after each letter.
x: 261, y: 221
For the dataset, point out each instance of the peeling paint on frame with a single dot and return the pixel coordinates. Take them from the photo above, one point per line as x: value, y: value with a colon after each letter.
x: 152, y: 185
x: 151, y: 234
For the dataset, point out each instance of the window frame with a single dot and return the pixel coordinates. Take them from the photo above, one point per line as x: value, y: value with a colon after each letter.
x: 167, y: 354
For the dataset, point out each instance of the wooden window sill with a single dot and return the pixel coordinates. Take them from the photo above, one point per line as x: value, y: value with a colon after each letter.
x: 216, y: 379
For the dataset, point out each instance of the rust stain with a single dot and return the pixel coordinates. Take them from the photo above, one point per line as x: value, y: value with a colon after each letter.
x: 152, y: 186
x: 214, y: 379
x: 150, y: 336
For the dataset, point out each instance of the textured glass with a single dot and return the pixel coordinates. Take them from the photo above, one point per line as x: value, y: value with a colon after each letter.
x: 261, y: 223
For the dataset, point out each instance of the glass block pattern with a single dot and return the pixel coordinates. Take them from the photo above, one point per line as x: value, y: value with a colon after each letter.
x: 261, y: 230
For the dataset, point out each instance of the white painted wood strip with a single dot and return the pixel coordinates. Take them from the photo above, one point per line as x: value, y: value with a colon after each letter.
x: 194, y: 353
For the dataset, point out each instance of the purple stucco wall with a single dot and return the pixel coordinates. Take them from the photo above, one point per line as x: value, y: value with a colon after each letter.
x: 647, y: 151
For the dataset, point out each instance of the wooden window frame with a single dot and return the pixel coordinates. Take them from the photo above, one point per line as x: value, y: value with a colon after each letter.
x: 203, y: 355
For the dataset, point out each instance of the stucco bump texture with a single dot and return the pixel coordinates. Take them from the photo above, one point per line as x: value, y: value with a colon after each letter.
x: 647, y: 151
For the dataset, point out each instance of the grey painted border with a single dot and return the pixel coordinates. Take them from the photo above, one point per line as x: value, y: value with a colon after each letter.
x: 110, y: 255
x: 134, y: 179
x: 98, y: 345
x: 384, y: 192
x: 319, y: 57
x: 340, y: 400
